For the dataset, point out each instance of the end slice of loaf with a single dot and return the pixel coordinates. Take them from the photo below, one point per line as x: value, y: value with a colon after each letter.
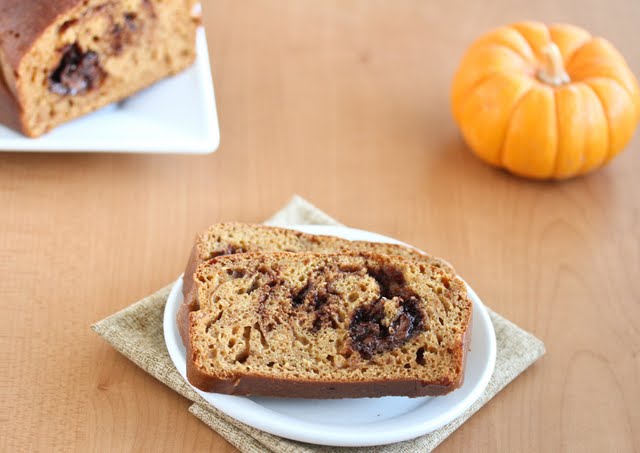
x: 60, y: 59
x: 231, y: 237
x: 327, y: 326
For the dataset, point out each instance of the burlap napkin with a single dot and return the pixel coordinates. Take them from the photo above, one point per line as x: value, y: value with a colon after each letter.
x: 137, y: 333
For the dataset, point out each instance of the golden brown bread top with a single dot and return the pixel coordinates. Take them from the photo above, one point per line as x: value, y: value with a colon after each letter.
x: 23, y: 21
x: 325, y: 319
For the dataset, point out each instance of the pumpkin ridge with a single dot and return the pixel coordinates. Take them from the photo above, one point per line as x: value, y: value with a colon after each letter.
x: 509, y: 118
x: 510, y: 49
x: 606, y: 117
x: 488, y: 75
x: 533, y: 50
x: 619, y: 80
x: 556, y: 158
x: 559, y: 26
x: 567, y: 61
x: 503, y: 45
x: 616, y: 82
x: 479, y: 82
x: 511, y: 27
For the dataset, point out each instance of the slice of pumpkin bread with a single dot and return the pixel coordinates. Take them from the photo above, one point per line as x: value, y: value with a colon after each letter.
x: 230, y: 238
x: 327, y: 326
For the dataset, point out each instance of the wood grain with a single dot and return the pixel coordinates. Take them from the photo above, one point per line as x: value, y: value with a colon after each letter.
x: 344, y: 102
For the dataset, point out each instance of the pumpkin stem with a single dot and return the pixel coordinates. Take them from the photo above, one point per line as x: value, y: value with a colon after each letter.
x: 553, y: 71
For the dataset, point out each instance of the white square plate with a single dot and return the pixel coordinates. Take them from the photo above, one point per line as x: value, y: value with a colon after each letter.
x: 176, y: 115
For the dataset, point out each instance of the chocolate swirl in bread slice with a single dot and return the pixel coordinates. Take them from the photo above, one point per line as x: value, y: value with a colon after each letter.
x: 230, y: 238
x: 327, y: 326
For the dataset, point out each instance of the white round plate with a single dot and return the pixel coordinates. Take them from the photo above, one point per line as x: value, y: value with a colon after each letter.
x: 356, y: 422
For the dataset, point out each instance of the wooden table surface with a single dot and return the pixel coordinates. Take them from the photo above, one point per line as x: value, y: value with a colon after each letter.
x: 345, y: 103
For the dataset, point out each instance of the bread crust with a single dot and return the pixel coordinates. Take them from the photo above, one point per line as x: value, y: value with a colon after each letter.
x: 22, y: 22
x: 10, y: 112
x: 190, y: 302
x: 188, y: 283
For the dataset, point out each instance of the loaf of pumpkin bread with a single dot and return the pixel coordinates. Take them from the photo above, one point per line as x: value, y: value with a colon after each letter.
x: 60, y: 59
x: 231, y: 237
x: 327, y: 326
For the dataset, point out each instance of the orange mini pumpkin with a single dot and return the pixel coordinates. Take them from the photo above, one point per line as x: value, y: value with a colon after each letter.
x: 545, y: 102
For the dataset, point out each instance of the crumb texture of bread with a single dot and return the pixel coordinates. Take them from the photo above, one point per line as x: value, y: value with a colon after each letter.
x: 63, y: 59
x: 329, y: 325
